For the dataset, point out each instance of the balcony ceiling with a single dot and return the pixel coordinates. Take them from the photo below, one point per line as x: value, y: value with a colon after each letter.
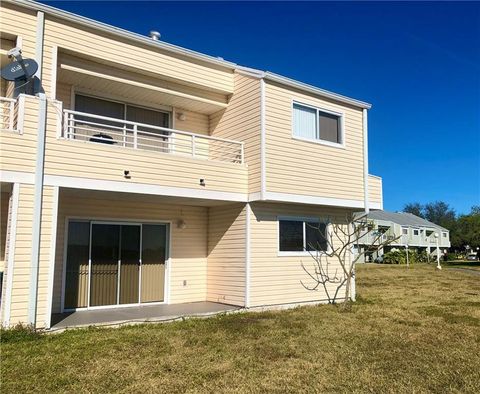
x: 133, y: 86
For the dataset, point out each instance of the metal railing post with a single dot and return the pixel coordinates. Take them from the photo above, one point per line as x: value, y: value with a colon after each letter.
x: 70, y: 125
x: 135, y: 136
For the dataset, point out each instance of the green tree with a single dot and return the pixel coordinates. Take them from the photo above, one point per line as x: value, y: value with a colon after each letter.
x: 440, y: 213
x: 414, y: 208
x: 467, y: 230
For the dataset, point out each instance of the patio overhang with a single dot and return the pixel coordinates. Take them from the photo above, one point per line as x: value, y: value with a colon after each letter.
x: 136, y: 85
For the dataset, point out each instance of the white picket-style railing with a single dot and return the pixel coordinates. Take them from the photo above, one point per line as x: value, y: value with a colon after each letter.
x: 7, y: 113
x: 81, y: 126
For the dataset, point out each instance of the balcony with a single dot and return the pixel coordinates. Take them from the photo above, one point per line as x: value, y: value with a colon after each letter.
x: 89, y: 128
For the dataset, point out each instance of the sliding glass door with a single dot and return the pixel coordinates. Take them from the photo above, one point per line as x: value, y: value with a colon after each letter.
x: 112, y: 264
x: 130, y: 264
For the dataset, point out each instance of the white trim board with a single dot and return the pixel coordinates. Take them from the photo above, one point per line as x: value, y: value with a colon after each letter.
x: 141, y: 188
x: 53, y: 246
x: 7, y: 302
x: 314, y: 200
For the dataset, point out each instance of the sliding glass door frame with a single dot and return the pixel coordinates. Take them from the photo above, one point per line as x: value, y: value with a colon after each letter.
x: 102, y: 221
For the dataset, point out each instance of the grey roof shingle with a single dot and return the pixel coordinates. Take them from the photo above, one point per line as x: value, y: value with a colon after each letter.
x: 403, y: 219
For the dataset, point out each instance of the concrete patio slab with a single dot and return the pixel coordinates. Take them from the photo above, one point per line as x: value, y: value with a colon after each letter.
x: 137, y: 314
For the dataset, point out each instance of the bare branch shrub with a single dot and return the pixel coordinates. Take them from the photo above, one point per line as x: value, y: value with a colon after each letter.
x: 333, y: 263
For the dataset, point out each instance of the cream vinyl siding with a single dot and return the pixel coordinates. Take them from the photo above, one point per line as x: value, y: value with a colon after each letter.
x: 375, y: 192
x: 23, y: 250
x: 188, y: 246
x: 4, y: 208
x: 160, y: 63
x: 241, y: 122
x: 277, y: 279
x: 18, y: 151
x: 226, y: 254
x: 10, y: 17
x: 107, y: 162
x: 307, y: 167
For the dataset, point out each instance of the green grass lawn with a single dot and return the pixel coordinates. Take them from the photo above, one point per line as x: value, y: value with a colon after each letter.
x: 412, y: 331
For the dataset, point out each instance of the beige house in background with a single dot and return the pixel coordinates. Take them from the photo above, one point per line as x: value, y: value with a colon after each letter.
x: 140, y: 177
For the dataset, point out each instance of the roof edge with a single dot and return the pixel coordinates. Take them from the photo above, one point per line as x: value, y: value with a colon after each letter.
x: 313, y: 89
x: 84, y: 21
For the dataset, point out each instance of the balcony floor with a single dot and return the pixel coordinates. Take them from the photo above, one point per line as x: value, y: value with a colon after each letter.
x: 137, y: 314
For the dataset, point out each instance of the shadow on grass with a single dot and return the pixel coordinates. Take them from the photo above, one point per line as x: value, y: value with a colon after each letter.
x: 19, y: 333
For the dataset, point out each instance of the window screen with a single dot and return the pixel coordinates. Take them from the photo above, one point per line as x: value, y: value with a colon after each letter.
x: 329, y: 126
x: 316, y: 233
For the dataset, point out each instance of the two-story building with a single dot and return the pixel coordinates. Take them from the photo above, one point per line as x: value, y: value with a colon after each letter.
x: 404, y: 230
x: 137, y: 174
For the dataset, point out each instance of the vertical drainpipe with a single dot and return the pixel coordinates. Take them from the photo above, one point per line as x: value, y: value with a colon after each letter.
x: 38, y: 188
x: 365, y: 159
x: 263, y: 165
x: 248, y: 212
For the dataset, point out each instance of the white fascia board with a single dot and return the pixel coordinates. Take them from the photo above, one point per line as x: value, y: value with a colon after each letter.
x: 142, y: 188
x: 312, y: 89
x: 81, y: 20
x: 182, y: 51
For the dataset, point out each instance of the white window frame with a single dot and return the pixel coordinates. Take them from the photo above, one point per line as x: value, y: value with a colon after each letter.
x: 416, y: 230
x: 405, y: 229
x: 340, y: 115
x: 444, y: 234
x: 282, y: 253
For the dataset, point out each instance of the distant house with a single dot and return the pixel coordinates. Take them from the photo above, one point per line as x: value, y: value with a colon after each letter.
x: 413, y: 232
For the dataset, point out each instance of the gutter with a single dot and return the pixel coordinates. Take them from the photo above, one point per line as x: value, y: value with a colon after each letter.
x: 312, y: 89
x: 39, y: 178
x: 81, y: 20
x: 138, y: 38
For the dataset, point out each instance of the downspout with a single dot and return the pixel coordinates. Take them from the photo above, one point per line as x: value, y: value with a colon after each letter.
x: 263, y: 165
x: 248, y: 211
x: 365, y: 159
x: 38, y: 188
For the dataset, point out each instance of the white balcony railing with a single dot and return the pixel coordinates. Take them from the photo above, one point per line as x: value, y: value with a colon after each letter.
x: 8, y: 114
x: 80, y: 126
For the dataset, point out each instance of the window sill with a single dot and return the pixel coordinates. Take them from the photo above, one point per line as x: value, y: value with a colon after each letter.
x: 298, y: 254
x: 320, y: 142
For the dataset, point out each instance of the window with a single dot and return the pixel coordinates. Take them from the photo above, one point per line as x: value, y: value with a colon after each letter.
x: 314, y: 124
x: 444, y: 235
x: 405, y: 231
x: 113, y: 109
x: 302, y: 235
x: 415, y: 232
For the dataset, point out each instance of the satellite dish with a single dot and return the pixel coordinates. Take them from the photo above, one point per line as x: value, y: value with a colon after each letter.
x: 24, y: 69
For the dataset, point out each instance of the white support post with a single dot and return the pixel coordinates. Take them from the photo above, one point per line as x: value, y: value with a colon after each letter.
x: 242, y: 153
x: 70, y: 127
x: 135, y: 136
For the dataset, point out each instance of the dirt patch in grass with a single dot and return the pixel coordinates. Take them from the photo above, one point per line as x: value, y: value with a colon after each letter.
x: 413, y: 330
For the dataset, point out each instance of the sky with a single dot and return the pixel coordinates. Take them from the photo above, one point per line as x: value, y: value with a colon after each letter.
x: 417, y: 63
